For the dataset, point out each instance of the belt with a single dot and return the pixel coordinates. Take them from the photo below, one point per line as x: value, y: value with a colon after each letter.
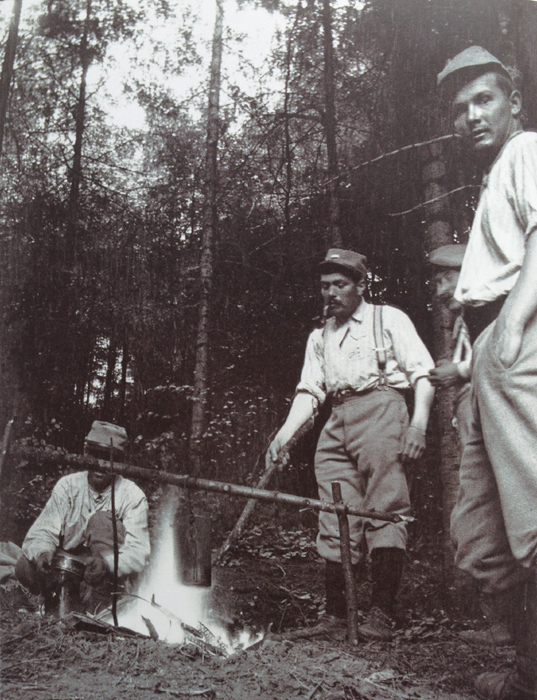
x: 341, y: 395
x: 477, y: 318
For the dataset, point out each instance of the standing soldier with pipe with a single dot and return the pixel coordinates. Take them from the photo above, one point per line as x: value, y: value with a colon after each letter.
x: 494, y: 523
x: 363, y: 360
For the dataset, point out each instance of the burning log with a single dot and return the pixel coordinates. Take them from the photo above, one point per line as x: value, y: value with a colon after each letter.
x: 190, y: 482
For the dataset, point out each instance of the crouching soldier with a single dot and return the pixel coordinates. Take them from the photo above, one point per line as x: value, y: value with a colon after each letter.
x: 363, y: 361
x: 77, y: 522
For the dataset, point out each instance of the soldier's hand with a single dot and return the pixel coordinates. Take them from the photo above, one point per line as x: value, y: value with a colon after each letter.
x: 276, y: 453
x: 445, y: 374
x: 96, y: 570
x: 414, y: 443
x: 507, y: 341
x: 43, y: 563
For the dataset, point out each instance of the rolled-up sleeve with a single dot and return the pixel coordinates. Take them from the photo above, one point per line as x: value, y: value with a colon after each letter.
x: 523, y: 186
x: 409, y: 350
x: 44, y: 534
x: 312, y: 379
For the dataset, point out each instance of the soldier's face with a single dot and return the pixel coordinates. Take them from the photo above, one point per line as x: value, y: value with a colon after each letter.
x: 341, y: 295
x: 485, y: 116
x: 446, y: 283
x: 100, y: 481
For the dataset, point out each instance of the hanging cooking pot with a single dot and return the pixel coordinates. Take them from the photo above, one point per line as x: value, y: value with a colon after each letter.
x: 193, y: 548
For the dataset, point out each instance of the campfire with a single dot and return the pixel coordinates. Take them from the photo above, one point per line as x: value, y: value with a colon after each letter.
x: 163, y: 608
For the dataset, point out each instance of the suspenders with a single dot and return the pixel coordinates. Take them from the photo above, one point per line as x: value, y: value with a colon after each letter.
x: 380, y: 350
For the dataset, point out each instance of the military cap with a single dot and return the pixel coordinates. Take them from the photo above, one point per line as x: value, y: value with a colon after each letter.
x: 448, y: 255
x: 471, y: 57
x: 102, y: 433
x: 349, y: 260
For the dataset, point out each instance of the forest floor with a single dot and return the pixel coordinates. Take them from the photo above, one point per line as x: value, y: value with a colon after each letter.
x: 272, y: 582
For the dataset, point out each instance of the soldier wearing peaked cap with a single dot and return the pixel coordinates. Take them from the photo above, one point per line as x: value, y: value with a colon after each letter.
x: 364, y: 360
x: 77, y: 521
x: 494, y: 523
x: 446, y: 262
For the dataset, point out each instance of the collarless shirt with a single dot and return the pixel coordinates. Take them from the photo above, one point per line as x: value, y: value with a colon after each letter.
x: 343, y: 356
x: 62, y: 522
x: 505, y: 217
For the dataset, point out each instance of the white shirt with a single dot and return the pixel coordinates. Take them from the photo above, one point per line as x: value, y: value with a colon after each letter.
x: 505, y: 217
x: 344, y: 357
x: 69, y: 508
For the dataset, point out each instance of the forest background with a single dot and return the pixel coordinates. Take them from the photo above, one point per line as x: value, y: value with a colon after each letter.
x: 151, y: 268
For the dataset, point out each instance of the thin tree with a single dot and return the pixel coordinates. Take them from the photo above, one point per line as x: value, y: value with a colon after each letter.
x: 210, y: 225
x: 7, y: 66
x: 329, y: 124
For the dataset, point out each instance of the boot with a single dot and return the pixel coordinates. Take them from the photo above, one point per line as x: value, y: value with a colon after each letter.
x: 334, y: 621
x: 334, y: 581
x: 521, y: 684
x: 497, y: 634
x: 386, y: 573
x: 498, y: 611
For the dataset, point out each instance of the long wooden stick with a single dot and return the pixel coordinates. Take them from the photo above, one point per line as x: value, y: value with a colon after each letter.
x: 346, y: 562
x: 115, y: 541
x: 245, y: 515
x: 5, y: 442
x: 190, y: 482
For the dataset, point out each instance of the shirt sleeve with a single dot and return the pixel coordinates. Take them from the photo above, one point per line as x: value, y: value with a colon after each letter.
x: 409, y: 350
x: 135, y: 550
x: 524, y: 181
x: 312, y: 379
x: 464, y: 368
x: 44, y: 534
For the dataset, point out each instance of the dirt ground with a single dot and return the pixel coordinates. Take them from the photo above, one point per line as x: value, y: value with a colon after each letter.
x: 271, y: 584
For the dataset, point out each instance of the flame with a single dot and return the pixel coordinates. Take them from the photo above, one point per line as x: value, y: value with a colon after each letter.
x: 169, y: 607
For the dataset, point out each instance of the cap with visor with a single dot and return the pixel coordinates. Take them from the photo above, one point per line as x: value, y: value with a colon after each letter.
x: 450, y: 255
x: 472, y: 57
x: 347, y: 260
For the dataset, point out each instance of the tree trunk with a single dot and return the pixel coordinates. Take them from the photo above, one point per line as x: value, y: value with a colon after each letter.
x: 209, y: 223
x: 439, y: 233
x: 7, y: 66
x: 330, y: 127
x: 109, y: 379
x: 123, y: 380
x: 79, y: 115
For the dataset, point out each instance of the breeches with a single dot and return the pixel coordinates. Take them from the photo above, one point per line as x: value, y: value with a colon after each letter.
x: 494, y: 522
x: 359, y: 447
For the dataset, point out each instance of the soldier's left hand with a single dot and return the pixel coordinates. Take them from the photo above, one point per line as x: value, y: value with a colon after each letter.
x: 96, y: 570
x: 414, y: 443
x: 507, y: 342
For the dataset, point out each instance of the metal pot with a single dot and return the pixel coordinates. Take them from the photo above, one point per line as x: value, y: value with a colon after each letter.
x: 68, y: 563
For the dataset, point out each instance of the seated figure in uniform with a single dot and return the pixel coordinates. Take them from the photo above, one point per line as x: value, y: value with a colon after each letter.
x: 76, y: 523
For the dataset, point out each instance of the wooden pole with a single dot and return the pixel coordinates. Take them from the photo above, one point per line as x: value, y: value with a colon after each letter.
x: 346, y: 562
x: 246, y: 513
x: 115, y: 540
x: 189, y: 482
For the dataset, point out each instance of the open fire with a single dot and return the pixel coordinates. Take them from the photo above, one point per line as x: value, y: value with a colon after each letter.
x: 162, y: 607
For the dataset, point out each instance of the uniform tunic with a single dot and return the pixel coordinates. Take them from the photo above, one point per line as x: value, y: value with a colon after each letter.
x: 360, y: 442
x: 494, y: 523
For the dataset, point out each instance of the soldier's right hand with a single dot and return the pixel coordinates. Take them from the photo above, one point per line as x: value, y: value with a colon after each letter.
x: 276, y: 453
x: 43, y: 563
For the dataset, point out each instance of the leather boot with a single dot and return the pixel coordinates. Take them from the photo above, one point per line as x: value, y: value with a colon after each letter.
x: 497, y: 611
x: 334, y: 581
x: 386, y: 572
x: 521, y: 684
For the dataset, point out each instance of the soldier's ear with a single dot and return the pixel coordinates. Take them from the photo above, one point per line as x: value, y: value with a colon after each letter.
x: 516, y: 103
